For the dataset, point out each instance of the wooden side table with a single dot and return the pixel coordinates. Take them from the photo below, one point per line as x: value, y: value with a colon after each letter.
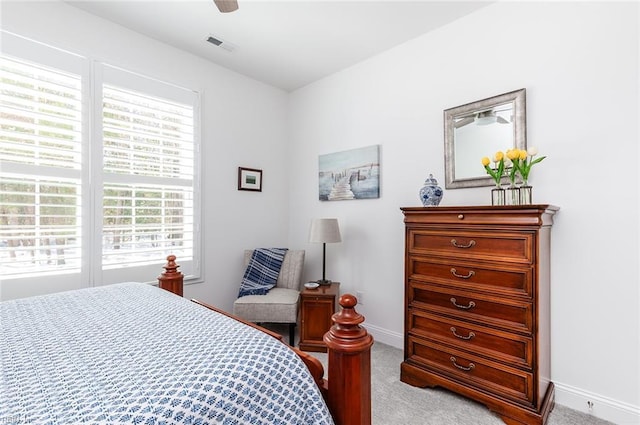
x: 316, y: 308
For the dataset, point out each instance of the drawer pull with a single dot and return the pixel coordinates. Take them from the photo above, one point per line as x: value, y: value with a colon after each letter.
x: 466, y: 338
x: 460, y: 216
x: 469, y: 245
x: 464, y: 307
x: 468, y: 368
x: 471, y: 273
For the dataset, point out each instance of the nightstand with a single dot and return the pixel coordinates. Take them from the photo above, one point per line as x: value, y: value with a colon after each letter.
x: 316, y: 308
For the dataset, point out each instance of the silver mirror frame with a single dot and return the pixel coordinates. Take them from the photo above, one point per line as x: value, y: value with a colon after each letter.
x: 518, y: 97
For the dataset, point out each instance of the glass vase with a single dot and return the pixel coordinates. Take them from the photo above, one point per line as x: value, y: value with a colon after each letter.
x: 525, y: 194
x: 512, y: 195
x: 497, y: 196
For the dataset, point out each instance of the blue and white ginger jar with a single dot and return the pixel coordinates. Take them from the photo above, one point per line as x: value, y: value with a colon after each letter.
x: 431, y: 193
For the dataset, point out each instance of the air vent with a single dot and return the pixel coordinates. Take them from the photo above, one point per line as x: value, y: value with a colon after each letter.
x: 214, y: 40
x: 221, y: 43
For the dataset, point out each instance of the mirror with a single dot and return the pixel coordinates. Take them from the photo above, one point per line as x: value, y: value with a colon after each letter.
x: 480, y: 129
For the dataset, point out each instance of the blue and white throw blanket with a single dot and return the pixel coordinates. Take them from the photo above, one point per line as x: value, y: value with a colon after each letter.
x: 133, y: 353
x: 262, y: 271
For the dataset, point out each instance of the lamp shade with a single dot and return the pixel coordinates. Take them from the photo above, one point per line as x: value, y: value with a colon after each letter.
x: 324, y: 230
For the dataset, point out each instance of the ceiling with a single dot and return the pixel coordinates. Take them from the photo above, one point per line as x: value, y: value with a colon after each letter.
x: 286, y: 44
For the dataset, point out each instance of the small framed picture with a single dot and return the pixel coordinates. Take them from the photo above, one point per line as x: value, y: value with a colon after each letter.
x: 249, y: 179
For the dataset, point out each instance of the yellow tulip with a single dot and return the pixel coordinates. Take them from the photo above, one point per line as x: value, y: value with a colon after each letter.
x: 498, y: 156
x: 513, y: 154
x: 522, y: 153
x: 485, y: 161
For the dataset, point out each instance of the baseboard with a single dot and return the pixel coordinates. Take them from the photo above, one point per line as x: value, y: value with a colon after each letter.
x: 601, y: 407
x: 385, y: 336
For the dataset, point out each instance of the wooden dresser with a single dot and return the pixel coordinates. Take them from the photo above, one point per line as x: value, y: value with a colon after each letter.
x: 477, y: 306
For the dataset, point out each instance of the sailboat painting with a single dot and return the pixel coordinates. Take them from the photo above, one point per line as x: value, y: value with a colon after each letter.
x: 352, y: 174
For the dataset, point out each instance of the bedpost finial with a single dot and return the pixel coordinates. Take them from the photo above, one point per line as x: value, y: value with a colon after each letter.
x: 346, y: 334
x: 348, y: 318
x: 348, y: 301
x: 171, y: 279
x: 171, y: 266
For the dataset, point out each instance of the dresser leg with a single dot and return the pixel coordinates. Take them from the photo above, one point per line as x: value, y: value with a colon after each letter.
x: 532, y: 418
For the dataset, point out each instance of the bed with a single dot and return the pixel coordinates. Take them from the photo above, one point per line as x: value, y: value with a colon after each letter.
x: 136, y: 353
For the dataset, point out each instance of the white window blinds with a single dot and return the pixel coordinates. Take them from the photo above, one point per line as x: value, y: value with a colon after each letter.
x: 40, y: 169
x: 148, y: 171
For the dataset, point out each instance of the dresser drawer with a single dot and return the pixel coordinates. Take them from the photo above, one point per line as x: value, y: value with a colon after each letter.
x: 499, y: 279
x: 483, y: 374
x: 494, y: 246
x: 504, y: 313
x: 523, y: 216
x: 500, y: 346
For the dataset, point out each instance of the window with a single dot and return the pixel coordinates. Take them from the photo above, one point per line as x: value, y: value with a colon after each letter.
x: 135, y: 175
x: 148, y: 159
x: 40, y: 155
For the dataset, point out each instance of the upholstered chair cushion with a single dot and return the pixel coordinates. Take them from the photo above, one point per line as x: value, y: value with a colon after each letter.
x: 280, y: 305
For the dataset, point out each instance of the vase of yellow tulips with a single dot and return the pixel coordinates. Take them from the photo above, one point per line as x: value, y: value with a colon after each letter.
x: 524, y: 161
x: 516, y: 162
x: 496, y: 172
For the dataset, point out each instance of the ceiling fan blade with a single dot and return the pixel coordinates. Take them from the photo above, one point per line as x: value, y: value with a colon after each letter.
x: 226, y: 6
x: 463, y: 122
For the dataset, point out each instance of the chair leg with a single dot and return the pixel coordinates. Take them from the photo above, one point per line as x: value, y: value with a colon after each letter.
x: 292, y: 333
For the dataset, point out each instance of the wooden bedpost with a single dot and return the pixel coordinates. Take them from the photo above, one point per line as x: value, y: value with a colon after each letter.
x: 349, y: 358
x: 171, y: 279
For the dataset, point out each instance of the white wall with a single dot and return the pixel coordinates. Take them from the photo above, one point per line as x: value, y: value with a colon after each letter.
x: 579, y: 64
x: 243, y: 123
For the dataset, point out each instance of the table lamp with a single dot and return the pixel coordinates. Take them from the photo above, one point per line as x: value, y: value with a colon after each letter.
x: 324, y: 230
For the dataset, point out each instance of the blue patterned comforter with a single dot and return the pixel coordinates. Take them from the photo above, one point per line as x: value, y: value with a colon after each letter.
x: 133, y: 353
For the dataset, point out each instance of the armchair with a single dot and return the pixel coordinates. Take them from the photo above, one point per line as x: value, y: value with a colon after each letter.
x: 280, y: 304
